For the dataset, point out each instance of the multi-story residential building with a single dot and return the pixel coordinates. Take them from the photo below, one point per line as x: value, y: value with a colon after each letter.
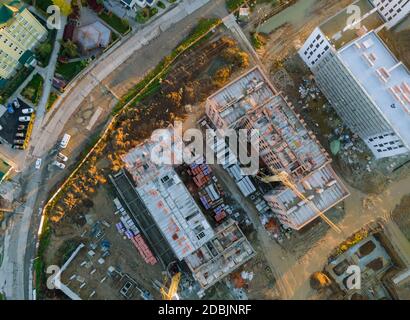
x: 20, y: 33
x: 363, y: 80
x: 393, y: 11
x: 285, y: 145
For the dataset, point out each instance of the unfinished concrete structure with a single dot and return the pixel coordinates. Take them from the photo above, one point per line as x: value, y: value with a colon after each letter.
x: 251, y: 102
x: 210, y: 254
x: 168, y: 200
x: 372, y: 259
x: 365, y: 83
x: 228, y: 250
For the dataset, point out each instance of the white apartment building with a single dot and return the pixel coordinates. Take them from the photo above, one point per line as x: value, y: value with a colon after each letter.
x: 393, y: 11
x: 20, y: 33
x: 363, y: 80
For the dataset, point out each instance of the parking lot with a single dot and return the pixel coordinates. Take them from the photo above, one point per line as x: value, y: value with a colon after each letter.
x: 10, y: 124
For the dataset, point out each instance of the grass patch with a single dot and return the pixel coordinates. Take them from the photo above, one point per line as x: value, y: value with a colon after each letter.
x: 233, y: 5
x: 66, y: 250
x: 256, y: 41
x: 69, y: 70
x: 34, y: 89
x: 52, y: 98
x: 39, y: 264
x: 145, y: 14
x: 14, y: 83
x: 120, y: 25
x: 44, y: 50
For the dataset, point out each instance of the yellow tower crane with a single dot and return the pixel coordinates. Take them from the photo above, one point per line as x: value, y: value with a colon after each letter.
x: 286, y: 180
x: 173, y: 288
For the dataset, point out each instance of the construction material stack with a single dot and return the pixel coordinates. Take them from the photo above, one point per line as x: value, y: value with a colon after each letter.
x: 131, y: 231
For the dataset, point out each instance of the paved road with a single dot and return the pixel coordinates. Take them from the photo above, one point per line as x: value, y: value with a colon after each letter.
x: 15, y: 269
x: 21, y: 235
x: 82, y: 87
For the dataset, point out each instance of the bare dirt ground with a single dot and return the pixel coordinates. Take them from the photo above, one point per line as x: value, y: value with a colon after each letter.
x: 285, y: 39
x: 124, y: 256
x: 398, y: 40
x: 401, y: 215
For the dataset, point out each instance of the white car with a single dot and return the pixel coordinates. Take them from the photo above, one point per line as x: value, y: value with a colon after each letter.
x: 16, y: 104
x: 24, y: 119
x: 27, y: 111
x: 38, y: 163
x: 64, y: 141
x: 62, y: 157
x: 59, y: 164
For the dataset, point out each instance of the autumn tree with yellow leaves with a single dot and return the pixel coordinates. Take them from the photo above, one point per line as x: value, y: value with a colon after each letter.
x: 64, y: 5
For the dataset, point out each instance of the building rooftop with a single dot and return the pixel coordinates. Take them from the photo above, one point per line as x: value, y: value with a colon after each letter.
x: 171, y: 205
x: 285, y: 145
x: 226, y: 252
x: 8, y: 9
x: 384, y: 78
x: 95, y: 35
x: 322, y: 188
x: 139, y: 163
x: 241, y: 96
x: 284, y: 132
x: 175, y: 212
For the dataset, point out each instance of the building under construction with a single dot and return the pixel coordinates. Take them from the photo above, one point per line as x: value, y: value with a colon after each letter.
x: 211, y: 254
x: 285, y: 145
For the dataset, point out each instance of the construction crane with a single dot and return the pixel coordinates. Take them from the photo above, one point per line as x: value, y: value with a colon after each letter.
x: 284, y: 178
x: 173, y: 288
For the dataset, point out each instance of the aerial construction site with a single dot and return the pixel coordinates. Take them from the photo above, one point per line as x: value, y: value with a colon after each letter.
x: 223, y: 150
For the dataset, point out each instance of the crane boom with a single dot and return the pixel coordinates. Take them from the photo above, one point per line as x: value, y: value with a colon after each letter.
x: 284, y: 178
x: 173, y: 288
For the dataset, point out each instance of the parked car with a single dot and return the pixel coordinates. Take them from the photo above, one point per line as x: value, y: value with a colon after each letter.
x: 59, y: 164
x: 18, y: 141
x: 64, y: 141
x: 24, y: 119
x: 38, y: 163
x: 20, y: 135
x: 10, y: 108
x: 62, y: 157
x: 16, y: 104
x: 16, y: 146
x: 21, y: 127
x: 27, y: 111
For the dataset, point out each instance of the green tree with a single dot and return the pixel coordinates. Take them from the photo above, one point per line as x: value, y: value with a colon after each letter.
x: 70, y: 49
x: 44, y: 49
